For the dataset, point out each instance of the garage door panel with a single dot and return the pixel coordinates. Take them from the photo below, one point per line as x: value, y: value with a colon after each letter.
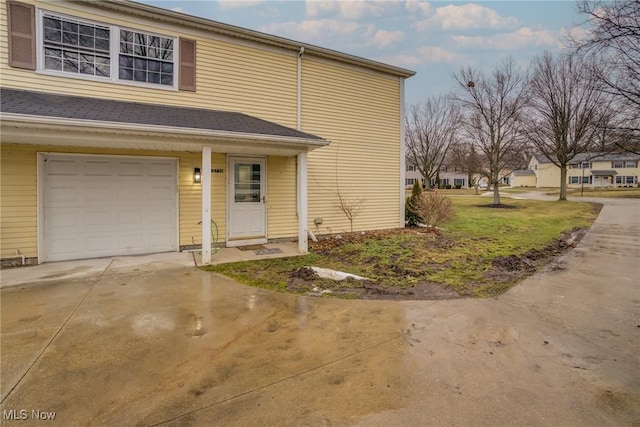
x: 159, y: 239
x: 98, y: 218
x: 131, y: 243
x: 134, y: 194
x: 98, y: 168
x: 97, y: 244
x: 130, y: 168
x: 161, y: 218
x: 62, y: 220
x: 63, y: 168
x: 62, y: 195
x: 98, y: 194
x: 104, y: 205
x: 160, y: 193
x: 161, y: 169
x: 62, y: 246
x: 130, y: 217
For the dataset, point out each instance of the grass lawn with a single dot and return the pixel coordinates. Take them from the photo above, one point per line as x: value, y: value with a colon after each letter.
x: 631, y: 193
x: 483, y: 252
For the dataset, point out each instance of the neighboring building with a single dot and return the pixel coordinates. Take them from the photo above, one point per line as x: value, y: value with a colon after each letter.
x: 125, y: 125
x: 522, y: 178
x: 452, y: 176
x: 595, y: 170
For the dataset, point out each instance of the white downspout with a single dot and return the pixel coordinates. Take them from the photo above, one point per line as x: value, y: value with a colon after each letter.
x: 299, y: 91
x: 303, y: 241
x: 403, y: 154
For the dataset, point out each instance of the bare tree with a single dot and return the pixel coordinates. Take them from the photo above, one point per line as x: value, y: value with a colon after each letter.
x: 613, y: 32
x: 493, y: 104
x: 430, y: 131
x: 464, y: 156
x: 566, y: 106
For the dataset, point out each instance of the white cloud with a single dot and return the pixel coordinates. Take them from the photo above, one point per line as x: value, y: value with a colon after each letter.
x: 577, y: 34
x: 523, y: 38
x: 318, y: 7
x: 320, y: 30
x: 465, y: 17
x: 384, y: 38
x: 422, y: 55
x: 401, y: 60
x: 417, y: 6
x: 435, y: 54
x: 351, y: 9
x: 178, y: 9
x: 237, y: 4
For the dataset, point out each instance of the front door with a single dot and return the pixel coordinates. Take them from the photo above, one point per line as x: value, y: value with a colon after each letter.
x: 247, y: 201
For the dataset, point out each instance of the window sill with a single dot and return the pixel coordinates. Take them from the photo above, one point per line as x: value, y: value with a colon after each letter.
x: 107, y: 80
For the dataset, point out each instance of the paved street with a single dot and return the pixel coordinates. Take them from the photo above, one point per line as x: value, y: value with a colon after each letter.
x: 178, y: 346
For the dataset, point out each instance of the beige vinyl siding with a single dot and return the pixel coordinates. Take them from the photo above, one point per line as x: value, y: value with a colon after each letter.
x: 282, y: 219
x: 229, y: 76
x: 18, y: 201
x: 359, y: 113
x: 548, y: 175
x: 190, y: 198
x: 18, y: 224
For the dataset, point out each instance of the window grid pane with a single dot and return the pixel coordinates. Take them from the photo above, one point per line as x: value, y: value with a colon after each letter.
x: 75, y: 47
x: 146, y: 58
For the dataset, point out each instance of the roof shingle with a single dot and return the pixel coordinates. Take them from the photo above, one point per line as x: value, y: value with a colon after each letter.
x: 104, y: 110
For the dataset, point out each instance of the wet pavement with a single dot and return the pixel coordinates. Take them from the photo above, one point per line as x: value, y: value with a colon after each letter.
x: 180, y: 346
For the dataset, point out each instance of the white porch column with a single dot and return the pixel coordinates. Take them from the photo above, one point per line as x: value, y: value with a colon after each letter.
x: 303, y: 230
x: 206, y: 205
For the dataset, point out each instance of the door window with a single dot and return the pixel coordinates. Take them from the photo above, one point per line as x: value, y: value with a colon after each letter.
x: 247, y: 182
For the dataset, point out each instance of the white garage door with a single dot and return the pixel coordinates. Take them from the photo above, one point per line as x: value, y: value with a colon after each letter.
x: 95, y: 206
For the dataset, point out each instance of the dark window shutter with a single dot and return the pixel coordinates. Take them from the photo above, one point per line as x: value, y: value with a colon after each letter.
x: 187, y: 65
x: 22, y: 35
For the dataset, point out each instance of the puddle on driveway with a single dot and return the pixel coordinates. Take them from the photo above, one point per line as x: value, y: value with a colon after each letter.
x: 191, y: 346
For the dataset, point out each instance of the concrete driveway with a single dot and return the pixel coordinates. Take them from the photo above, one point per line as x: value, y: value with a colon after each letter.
x: 184, y: 347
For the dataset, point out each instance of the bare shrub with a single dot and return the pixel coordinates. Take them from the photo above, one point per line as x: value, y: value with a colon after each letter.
x: 350, y: 207
x: 433, y: 208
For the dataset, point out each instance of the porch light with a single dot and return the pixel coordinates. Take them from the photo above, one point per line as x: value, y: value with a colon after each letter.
x: 197, y: 176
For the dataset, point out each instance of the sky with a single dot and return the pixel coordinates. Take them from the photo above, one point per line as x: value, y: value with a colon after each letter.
x: 435, y: 39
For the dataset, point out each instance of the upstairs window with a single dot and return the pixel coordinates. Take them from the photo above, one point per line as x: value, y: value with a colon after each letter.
x: 74, y: 46
x: 146, y: 58
x: 617, y: 164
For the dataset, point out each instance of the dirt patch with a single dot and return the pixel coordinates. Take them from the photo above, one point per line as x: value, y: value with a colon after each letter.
x: 502, y: 270
x: 514, y: 267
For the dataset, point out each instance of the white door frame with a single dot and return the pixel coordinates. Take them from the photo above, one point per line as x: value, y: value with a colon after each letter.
x: 231, y: 159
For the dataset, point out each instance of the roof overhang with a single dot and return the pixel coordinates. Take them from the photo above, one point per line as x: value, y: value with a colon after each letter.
x: 44, y: 130
x: 604, y: 173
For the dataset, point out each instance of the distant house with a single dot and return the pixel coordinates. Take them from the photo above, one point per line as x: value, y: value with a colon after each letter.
x: 595, y: 170
x: 128, y: 128
x: 522, y: 178
x: 449, y: 175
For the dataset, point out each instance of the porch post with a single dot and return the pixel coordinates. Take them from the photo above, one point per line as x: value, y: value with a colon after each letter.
x: 302, y: 203
x: 206, y: 205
